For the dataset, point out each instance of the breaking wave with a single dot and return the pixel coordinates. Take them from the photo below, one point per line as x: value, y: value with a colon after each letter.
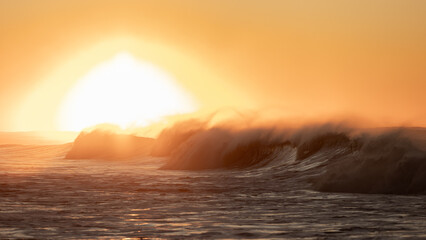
x: 329, y: 157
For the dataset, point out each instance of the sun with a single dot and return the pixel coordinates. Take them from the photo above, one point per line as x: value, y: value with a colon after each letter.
x: 123, y: 91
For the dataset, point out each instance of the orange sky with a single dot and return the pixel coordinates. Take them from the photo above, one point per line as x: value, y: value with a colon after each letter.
x: 308, y: 58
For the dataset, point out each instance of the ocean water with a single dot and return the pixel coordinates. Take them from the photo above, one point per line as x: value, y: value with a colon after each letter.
x: 289, y: 193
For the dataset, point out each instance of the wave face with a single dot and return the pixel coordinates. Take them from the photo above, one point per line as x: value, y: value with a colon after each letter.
x: 224, y: 148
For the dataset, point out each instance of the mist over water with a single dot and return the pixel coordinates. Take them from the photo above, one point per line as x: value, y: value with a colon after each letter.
x: 227, y: 179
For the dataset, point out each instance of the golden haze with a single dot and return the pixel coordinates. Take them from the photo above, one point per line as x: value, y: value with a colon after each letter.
x: 318, y: 60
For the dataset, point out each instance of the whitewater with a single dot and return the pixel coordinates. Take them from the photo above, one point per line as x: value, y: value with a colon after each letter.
x: 316, y: 182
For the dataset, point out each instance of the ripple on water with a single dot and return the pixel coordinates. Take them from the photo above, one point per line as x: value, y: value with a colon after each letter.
x: 50, y: 197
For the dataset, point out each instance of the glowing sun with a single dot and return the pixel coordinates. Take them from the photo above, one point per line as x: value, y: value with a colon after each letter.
x: 123, y: 91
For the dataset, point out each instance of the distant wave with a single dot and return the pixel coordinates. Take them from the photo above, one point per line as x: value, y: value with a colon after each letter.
x: 331, y: 157
x: 100, y: 144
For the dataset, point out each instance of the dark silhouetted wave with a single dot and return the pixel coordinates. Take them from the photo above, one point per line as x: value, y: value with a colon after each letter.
x: 329, y: 157
x: 334, y: 161
x: 384, y: 164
